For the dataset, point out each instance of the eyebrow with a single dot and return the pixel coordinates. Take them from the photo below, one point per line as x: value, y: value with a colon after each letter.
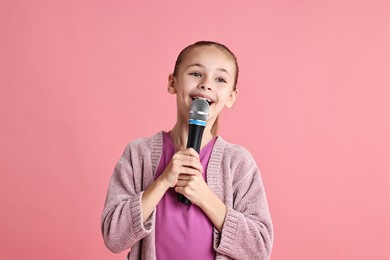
x: 200, y: 65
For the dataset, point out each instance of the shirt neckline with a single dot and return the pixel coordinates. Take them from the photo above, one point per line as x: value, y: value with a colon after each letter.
x: 205, y: 148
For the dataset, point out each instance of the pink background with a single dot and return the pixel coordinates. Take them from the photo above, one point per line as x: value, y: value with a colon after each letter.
x: 80, y: 79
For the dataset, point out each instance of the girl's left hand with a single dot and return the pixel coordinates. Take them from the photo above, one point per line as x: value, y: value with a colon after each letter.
x: 193, y: 187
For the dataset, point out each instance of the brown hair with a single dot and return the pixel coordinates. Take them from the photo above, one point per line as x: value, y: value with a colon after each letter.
x: 220, y: 46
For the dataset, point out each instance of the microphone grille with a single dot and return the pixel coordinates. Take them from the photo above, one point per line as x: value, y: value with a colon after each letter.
x: 199, y: 110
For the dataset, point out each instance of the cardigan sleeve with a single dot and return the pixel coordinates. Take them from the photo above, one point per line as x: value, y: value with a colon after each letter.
x: 121, y: 223
x: 247, y: 232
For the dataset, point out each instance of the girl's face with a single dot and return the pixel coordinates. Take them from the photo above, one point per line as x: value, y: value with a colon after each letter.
x: 206, y: 72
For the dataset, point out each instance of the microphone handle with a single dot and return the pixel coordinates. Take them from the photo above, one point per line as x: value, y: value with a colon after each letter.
x: 195, y: 134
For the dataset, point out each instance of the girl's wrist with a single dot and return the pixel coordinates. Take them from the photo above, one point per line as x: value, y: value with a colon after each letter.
x: 162, y: 182
x: 215, y: 209
x: 210, y: 201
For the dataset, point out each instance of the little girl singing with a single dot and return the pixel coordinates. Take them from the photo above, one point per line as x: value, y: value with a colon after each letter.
x: 228, y: 217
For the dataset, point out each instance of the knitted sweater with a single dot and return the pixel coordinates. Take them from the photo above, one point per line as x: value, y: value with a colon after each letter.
x: 232, y: 174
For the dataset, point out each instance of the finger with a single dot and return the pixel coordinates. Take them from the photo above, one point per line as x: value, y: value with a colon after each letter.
x: 187, y: 180
x: 185, y: 190
x: 191, y: 152
x: 181, y: 183
x: 190, y: 171
x: 188, y: 161
x: 185, y: 177
x: 180, y: 190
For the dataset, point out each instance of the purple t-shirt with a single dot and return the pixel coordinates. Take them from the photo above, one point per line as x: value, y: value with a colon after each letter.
x: 182, y: 231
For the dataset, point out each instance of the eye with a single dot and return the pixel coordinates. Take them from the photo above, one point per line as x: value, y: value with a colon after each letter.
x: 221, y: 80
x: 196, y: 74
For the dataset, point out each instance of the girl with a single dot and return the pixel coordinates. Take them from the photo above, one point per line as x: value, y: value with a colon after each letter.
x: 228, y: 217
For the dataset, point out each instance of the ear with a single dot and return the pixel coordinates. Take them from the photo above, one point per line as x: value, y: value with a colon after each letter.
x: 171, y: 84
x: 231, y: 99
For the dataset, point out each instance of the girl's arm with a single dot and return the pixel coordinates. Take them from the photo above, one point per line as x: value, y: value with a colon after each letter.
x: 196, y: 190
x: 122, y: 223
x: 247, y: 231
x: 215, y: 209
x: 152, y: 196
x: 128, y: 213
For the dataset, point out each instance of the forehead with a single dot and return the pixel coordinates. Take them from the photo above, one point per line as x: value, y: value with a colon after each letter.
x: 210, y: 56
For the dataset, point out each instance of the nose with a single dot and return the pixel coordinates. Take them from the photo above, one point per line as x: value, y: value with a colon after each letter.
x: 205, y: 85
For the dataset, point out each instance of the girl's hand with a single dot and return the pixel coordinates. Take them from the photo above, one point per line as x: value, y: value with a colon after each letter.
x: 194, y: 187
x: 185, y: 172
x: 183, y: 162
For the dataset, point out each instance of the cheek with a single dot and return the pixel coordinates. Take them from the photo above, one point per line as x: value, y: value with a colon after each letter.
x: 191, y: 80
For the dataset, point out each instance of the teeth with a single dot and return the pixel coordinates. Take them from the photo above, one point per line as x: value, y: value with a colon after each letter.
x: 208, y: 100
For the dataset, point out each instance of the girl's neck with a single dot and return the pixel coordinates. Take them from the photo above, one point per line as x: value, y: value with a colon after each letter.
x: 179, y: 135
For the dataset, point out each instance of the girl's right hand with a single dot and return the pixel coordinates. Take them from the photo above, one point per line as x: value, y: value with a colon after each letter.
x: 186, y: 161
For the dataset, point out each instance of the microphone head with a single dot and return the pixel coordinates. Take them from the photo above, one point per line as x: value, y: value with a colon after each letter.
x: 199, y: 110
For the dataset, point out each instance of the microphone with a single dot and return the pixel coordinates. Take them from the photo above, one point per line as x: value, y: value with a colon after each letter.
x: 199, y: 112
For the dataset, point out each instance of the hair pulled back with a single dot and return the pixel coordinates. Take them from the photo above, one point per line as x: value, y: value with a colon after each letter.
x: 226, y: 50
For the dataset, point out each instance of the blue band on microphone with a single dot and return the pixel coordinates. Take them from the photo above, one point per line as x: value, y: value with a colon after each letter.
x: 197, y: 122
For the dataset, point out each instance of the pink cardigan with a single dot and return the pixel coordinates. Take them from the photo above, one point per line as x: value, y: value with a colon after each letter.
x: 232, y: 175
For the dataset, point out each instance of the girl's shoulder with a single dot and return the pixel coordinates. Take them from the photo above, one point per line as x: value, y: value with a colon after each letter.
x: 237, y: 159
x: 144, y: 146
x: 145, y: 142
x: 232, y: 149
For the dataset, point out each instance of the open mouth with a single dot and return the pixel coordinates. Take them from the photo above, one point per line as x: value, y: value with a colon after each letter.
x: 208, y: 100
